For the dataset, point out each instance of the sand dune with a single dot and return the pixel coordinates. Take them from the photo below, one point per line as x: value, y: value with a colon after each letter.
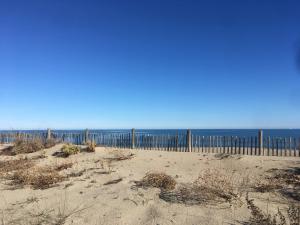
x: 83, y: 197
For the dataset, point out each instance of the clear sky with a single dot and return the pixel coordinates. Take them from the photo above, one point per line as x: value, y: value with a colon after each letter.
x: 149, y: 64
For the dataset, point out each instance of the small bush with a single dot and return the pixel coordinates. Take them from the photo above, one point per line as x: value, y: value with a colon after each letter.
x: 119, y: 155
x: 23, y: 146
x: 70, y: 149
x: 158, y: 180
x: 210, y: 187
x: 36, y: 177
x: 91, y: 146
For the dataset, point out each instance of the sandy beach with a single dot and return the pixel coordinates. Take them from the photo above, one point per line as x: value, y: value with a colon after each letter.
x: 87, y: 195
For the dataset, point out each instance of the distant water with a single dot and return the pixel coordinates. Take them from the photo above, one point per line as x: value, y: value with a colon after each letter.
x: 231, y: 132
x: 295, y: 133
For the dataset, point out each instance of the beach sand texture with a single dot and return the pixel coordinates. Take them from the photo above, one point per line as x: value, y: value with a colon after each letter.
x: 86, y: 198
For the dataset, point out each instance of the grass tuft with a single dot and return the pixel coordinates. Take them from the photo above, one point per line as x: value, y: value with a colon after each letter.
x: 91, y: 146
x: 70, y: 149
x: 158, y: 180
x: 210, y: 187
x: 13, y: 165
x: 36, y: 177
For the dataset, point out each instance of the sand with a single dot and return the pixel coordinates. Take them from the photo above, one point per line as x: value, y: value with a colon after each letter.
x: 86, y: 200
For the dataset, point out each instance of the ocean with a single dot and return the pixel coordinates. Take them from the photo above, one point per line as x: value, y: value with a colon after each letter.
x: 294, y: 133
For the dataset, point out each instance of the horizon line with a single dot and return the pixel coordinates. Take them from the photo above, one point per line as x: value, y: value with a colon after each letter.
x: 245, y: 128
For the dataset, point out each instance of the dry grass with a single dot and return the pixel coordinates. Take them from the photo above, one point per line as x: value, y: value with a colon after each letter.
x: 13, y: 165
x: 91, y: 146
x: 37, y: 177
x: 258, y: 217
x: 285, y: 182
x: 158, y: 180
x: 39, y: 215
x: 24, y: 146
x: 212, y: 186
x: 119, y: 155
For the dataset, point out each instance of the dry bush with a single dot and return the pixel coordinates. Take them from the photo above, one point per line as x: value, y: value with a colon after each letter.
x: 294, y: 214
x: 158, y: 180
x: 267, y: 184
x: 36, y: 177
x: 118, y: 155
x: 212, y: 186
x: 13, y: 165
x: 91, y: 146
x: 258, y: 217
x: 278, y: 180
x: 24, y: 146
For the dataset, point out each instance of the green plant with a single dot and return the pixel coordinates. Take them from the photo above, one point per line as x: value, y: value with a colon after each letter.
x: 70, y: 149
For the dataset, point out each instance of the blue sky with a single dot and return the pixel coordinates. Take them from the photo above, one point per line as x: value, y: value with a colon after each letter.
x: 149, y: 64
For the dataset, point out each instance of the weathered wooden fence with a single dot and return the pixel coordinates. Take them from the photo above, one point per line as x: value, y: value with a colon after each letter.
x: 187, y: 142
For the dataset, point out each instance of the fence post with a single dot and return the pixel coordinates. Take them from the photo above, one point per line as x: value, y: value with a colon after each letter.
x: 48, y: 134
x: 176, y: 141
x: 86, y: 136
x: 189, y: 140
x: 261, y: 142
x: 132, y: 138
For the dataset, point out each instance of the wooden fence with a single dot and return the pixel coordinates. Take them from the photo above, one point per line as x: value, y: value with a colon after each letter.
x: 187, y: 142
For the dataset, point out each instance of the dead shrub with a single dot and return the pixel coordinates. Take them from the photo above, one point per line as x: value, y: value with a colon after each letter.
x: 278, y: 180
x: 267, y: 184
x: 91, y: 146
x: 118, y: 155
x: 258, y: 217
x: 210, y: 187
x: 14, y: 165
x: 36, y: 177
x: 24, y: 146
x: 187, y: 194
x: 294, y: 214
x: 28, y: 146
x: 7, y: 151
x: 158, y: 180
